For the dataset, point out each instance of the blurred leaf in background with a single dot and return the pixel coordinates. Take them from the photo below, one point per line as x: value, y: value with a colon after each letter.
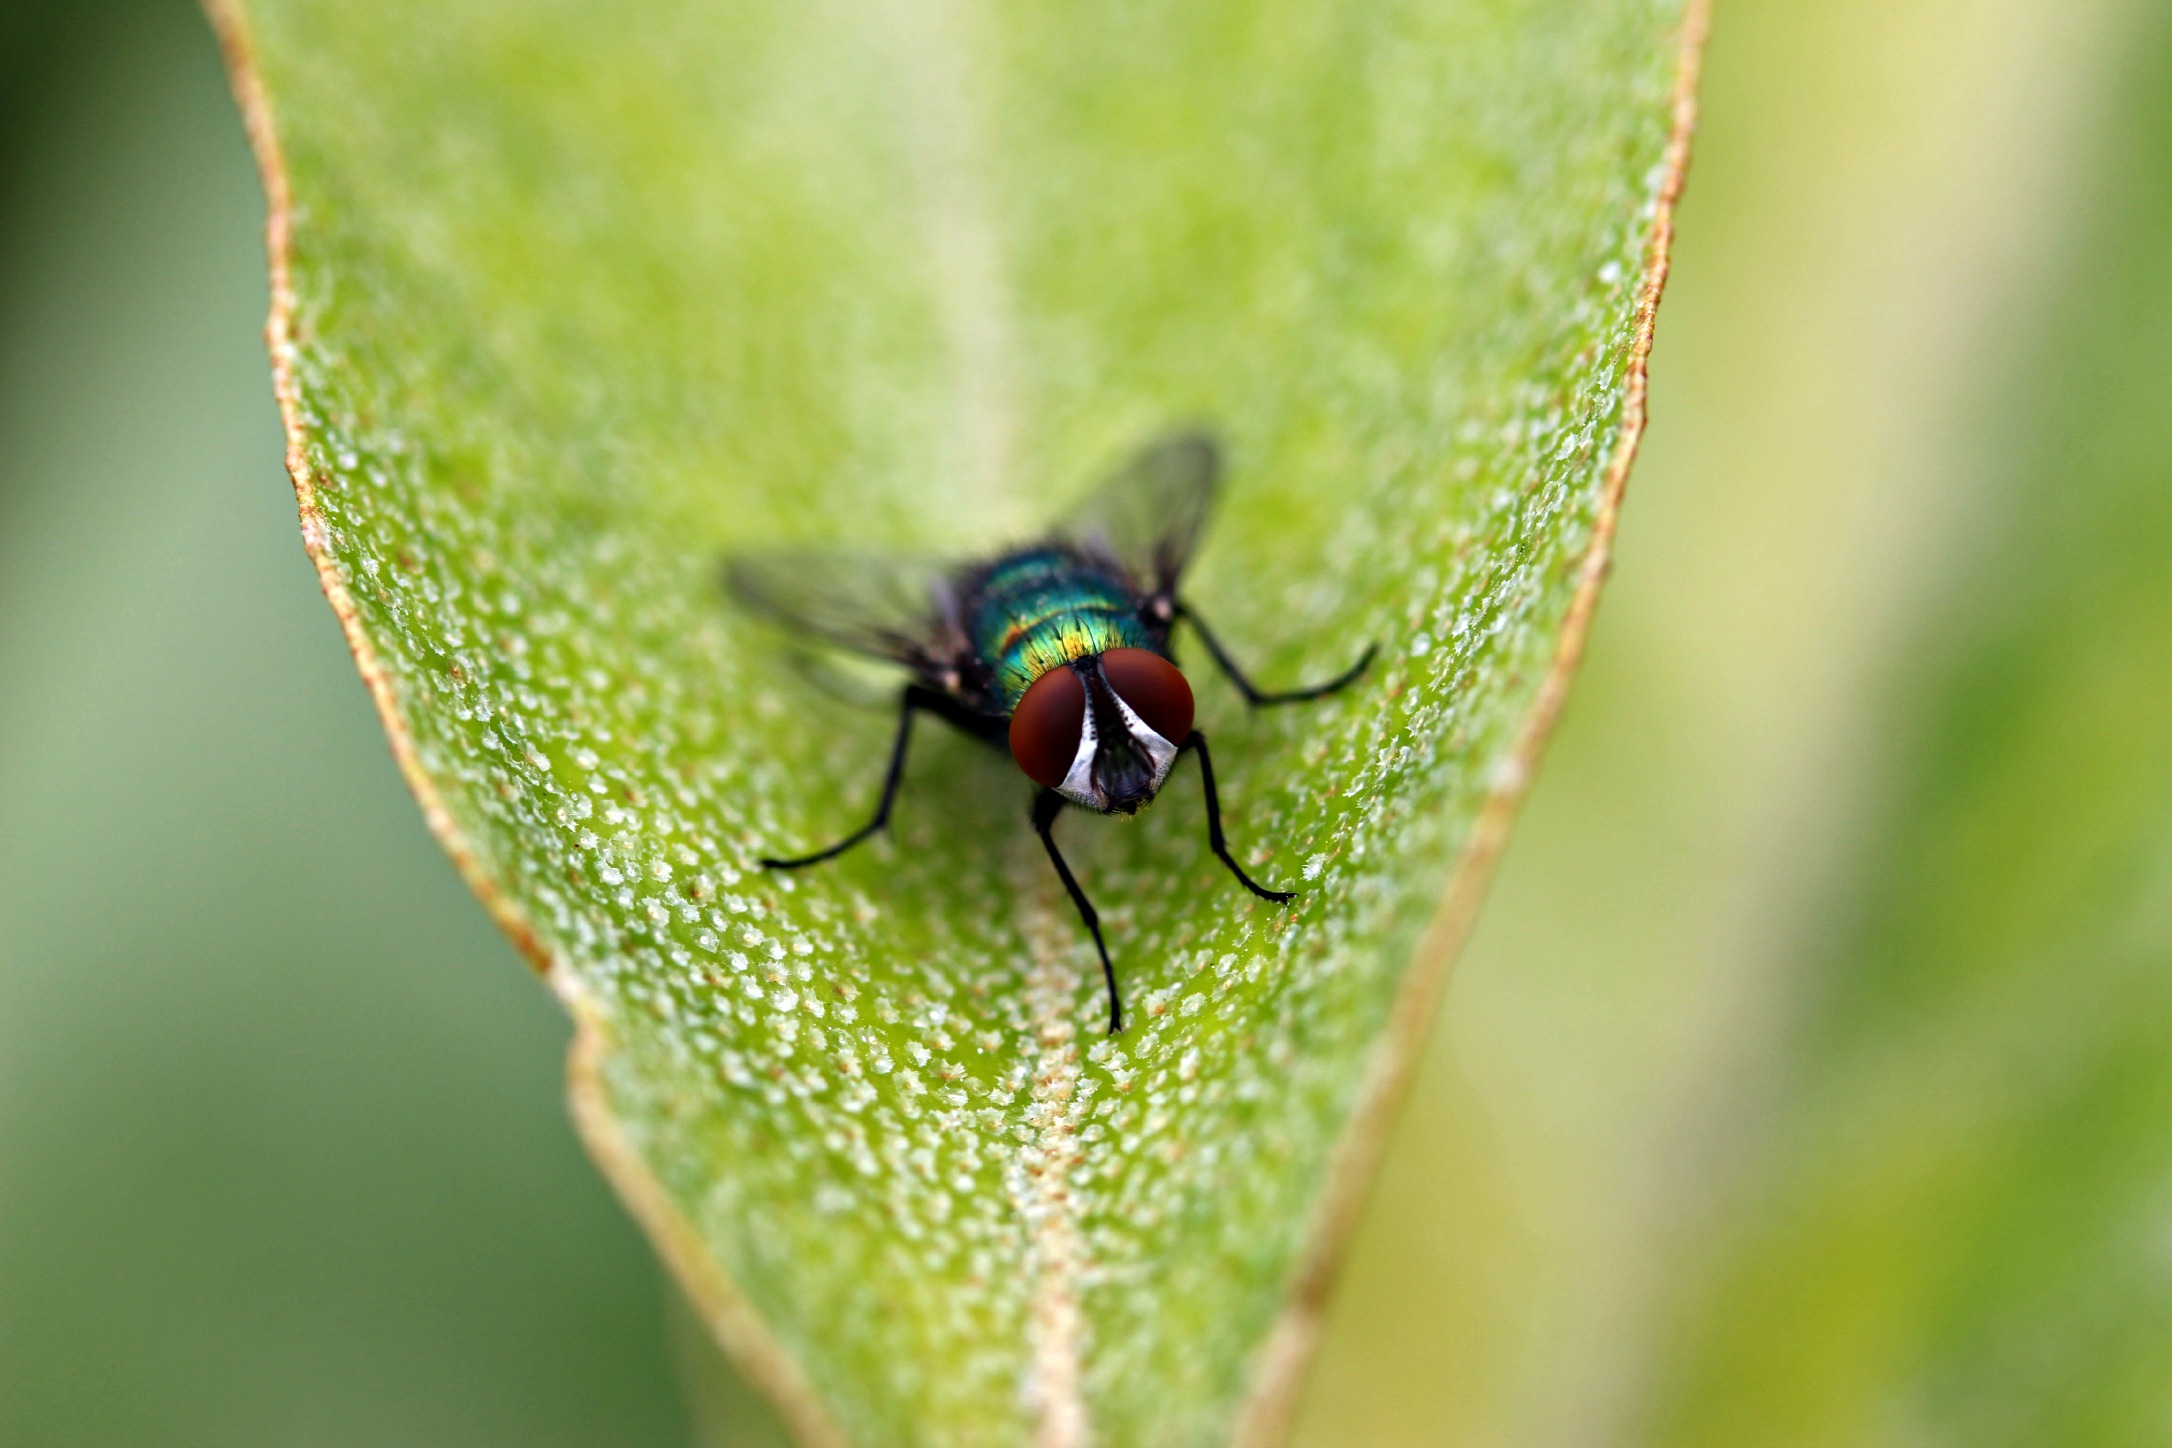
x: 1946, y: 1212
x: 282, y: 1151
x: 1806, y: 1072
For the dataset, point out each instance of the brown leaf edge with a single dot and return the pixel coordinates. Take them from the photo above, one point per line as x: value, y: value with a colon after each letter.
x: 1278, y: 1369
x: 731, y: 1319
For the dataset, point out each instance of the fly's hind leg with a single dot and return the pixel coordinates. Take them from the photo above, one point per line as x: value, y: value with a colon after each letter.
x: 1046, y: 806
x: 1253, y: 695
x: 1197, y: 743
x: 914, y: 698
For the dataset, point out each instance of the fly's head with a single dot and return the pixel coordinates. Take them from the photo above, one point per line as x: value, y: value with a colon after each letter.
x: 1104, y: 730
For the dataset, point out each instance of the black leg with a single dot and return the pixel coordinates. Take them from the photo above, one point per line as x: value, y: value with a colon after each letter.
x: 914, y: 698
x: 1198, y: 743
x: 1046, y: 806
x: 1228, y: 666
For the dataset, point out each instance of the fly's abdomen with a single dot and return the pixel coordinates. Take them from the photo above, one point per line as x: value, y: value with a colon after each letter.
x: 1038, y: 610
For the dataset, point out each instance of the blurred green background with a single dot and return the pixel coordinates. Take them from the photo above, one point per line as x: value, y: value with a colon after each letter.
x: 1810, y: 1078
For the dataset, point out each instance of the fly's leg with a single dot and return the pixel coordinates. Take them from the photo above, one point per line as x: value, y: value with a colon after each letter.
x: 914, y: 698
x: 1046, y: 806
x: 1197, y: 743
x: 1245, y: 687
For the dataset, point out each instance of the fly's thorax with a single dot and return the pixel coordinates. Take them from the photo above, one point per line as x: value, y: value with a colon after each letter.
x: 1042, y: 608
x: 1104, y: 729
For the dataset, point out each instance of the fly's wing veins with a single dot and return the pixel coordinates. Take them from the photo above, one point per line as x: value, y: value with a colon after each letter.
x: 1149, y: 514
x: 898, y: 609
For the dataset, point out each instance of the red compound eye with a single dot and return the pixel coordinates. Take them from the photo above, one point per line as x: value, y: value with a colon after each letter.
x: 1045, y: 726
x: 1154, y: 689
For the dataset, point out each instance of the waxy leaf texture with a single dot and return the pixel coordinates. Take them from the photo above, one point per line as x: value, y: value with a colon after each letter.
x: 570, y: 301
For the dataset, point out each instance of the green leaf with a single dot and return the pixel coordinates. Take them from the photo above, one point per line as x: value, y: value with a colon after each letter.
x: 572, y: 300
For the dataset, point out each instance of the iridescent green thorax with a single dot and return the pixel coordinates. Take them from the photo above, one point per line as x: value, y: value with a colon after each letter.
x: 1036, y: 610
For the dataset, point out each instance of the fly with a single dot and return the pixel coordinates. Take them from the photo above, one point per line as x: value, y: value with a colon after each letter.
x: 1058, y: 650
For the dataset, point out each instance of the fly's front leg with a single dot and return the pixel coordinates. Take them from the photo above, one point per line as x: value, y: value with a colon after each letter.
x: 1197, y: 743
x: 914, y: 697
x: 1046, y: 806
x: 1178, y: 609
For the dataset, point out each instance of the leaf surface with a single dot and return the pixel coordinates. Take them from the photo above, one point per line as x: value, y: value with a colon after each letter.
x: 570, y: 301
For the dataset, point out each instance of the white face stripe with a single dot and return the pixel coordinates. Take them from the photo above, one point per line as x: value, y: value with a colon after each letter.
x: 1079, y: 783
x: 1158, y: 749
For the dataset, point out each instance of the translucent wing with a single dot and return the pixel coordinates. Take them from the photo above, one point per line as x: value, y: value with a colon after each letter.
x: 1149, y: 515
x: 881, y: 605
